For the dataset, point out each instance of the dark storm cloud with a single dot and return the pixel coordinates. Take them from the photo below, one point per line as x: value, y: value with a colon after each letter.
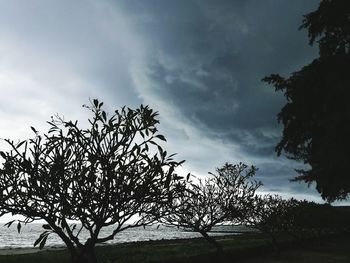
x: 198, y: 62
x: 209, y: 58
x: 276, y: 176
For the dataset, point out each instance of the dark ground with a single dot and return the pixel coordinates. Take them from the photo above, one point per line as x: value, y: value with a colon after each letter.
x: 249, y: 248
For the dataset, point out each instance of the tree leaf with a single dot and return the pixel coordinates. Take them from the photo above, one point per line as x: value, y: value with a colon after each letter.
x: 47, y: 226
x: 20, y: 144
x: 42, y: 235
x: 3, y: 155
x: 42, y: 243
x: 104, y: 115
x: 8, y: 224
x: 95, y: 101
x: 161, y: 137
x: 38, y: 240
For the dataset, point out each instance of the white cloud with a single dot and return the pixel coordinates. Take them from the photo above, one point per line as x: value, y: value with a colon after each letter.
x: 55, y: 56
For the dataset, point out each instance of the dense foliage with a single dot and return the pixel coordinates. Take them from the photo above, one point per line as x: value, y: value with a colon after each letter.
x: 330, y: 220
x: 273, y: 216
x: 317, y: 113
x: 225, y: 196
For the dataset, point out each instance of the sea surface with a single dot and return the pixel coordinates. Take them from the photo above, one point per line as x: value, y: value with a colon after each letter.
x: 10, y: 238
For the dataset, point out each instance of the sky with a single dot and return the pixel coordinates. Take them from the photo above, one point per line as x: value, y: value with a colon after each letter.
x: 199, y: 63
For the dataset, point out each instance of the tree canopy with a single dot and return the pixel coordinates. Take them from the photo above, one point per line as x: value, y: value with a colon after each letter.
x: 316, y: 116
x: 225, y: 196
x: 271, y: 215
x: 113, y: 173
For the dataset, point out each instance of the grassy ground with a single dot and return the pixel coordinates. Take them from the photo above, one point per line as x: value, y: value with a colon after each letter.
x: 331, y: 250
x: 251, y: 248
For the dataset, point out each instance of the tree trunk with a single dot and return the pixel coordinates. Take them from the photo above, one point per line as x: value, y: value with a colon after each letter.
x: 84, y: 255
x: 274, y: 242
x: 212, y: 241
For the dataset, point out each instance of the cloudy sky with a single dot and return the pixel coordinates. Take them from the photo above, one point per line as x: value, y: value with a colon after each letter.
x: 198, y: 62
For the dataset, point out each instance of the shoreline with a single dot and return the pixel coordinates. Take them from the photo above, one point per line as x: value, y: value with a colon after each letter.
x: 26, y: 250
x: 7, y: 251
x: 250, y: 248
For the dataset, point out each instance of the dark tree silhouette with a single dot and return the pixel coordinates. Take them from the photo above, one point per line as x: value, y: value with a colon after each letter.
x: 271, y: 215
x: 208, y: 202
x: 101, y: 176
x: 316, y: 118
x: 330, y: 220
x: 300, y: 219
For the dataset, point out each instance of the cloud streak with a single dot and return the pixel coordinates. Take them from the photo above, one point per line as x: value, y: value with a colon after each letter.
x: 203, y: 70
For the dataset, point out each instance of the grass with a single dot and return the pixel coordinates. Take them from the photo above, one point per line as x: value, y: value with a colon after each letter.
x: 331, y: 250
x: 249, y: 248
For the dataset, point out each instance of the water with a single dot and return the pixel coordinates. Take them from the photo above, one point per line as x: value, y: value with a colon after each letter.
x: 10, y: 238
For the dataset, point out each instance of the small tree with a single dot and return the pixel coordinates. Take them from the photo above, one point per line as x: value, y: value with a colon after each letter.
x: 101, y: 176
x: 221, y: 198
x: 271, y: 215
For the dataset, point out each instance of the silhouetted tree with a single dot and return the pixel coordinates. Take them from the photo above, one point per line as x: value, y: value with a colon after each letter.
x: 300, y: 219
x: 316, y: 118
x: 271, y: 215
x: 113, y: 173
x: 222, y: 197
x: 330, y: 220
